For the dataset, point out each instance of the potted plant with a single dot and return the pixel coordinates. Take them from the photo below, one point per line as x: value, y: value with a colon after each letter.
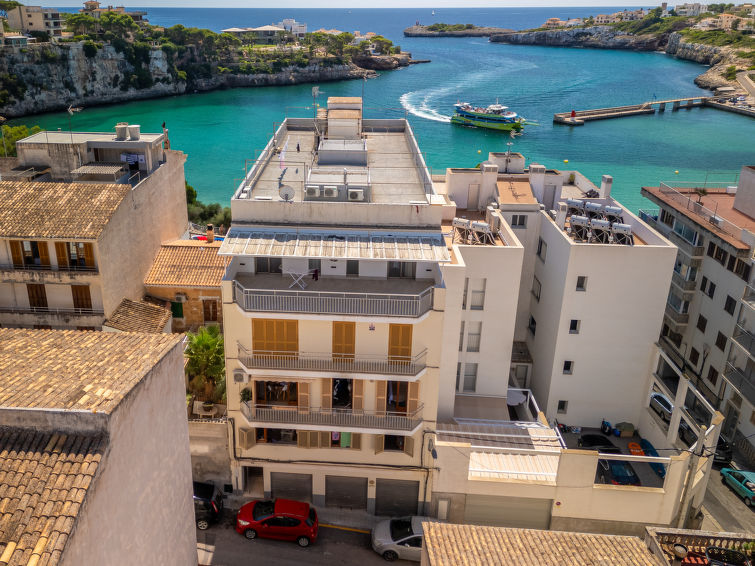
x: 246, y: 395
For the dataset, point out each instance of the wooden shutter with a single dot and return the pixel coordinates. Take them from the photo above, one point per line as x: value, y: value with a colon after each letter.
x: 61, y: 251
x: 357, y: 396
x: 302, y: 439
x: 37, y: 295
x: 326, y: 393
x: 17, y: 253
x: 324, y: 439
x: 210, y: 310
x: 304, y: 397
x: 409, y: 446
x: 247, y: 438
x: 258, y: 334
x: 356, y: 441
x: 44, y: 253
x: 82, y: 298
x: 379, y: 443
x: 89, y: 255
x: 380, y: 394
x: 400, y: 343
x: 287, y: 335
x: 344, y: 337
x: 412, y: 402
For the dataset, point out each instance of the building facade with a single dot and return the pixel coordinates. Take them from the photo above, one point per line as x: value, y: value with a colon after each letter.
x: 35, y: 18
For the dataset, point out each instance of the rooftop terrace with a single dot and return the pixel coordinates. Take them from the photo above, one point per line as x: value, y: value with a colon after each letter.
x: 98, y: 138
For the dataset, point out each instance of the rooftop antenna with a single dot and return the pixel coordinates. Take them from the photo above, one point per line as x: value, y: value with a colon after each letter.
x: 508, y: 155
x: 286, y: 193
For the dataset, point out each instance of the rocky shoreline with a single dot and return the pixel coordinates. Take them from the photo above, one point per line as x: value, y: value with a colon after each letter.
x: 54, y: 77
x: 423, y: 31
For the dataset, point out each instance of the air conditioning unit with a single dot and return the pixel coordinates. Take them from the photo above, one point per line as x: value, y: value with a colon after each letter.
x: 356, y: 194
x: 180, y: 298
x: 240, y: 376
x: 716, y: 221
x: 330, y: 192
x: 313, y: 191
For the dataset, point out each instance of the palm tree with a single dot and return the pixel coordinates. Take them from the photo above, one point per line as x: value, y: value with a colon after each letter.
x: 700, y: 194
x: 205, y: 366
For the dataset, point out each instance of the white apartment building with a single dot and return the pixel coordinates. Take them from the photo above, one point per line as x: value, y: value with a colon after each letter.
x: 299, y: 29
x: 707, y: 330
x: 35, y: 18
x: 691, y: 10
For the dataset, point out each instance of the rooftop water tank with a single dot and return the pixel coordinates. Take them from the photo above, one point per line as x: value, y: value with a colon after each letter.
x: 134, y: 131
x: 121, y: 130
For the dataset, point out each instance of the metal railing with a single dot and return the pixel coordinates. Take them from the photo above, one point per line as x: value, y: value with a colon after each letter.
x: 740, y: 381
x: 332, y: 362
x: 22, y: 267
x: 691, y: 203
x: 676, y: 316
x: 682, y: 283
x: 51, y: 310
x: 323, y: 302
x: 336, y: 418
x: 745, y: 339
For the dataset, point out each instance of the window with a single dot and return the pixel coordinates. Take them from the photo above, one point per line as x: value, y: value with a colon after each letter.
x: 82, y: 299
x: 542, y: 249
x: 708, y: 287
x: 532, y: 325
x: 573, y: 326
x: 404, y: 269
x: 177, y: 309
x: 568, y: 367
x: 352, y: 267
x: 315, y: 264
x: 563, y: 406
x: 477, y: 301
x: 276, y: 393
x: 37, y: 296
x: 581, y: 283
x: 342, y: 393
x: 470, y: 377
x: 210, y: 310
x: 694, y: 356
x: 742, y: 269
x: 274, y: 336
x: 677, y: 303
x: 458, y: 375
x: 667, y: 218
x: 730, y: 305
x: 536, y: 288
x: 712, y: 375
x: 75, y: 254
x: 464, y: 297
x: 267, y: 265
x: 473, y: 338
x: 414, y: 542
x: 519, y: 221
x: 276, y: 435
x: 721, y: 341
x: 393, y: 443
x: 702, y: 323
x: 461, y: 337
x: 397, y: 396
x: 685, y: 232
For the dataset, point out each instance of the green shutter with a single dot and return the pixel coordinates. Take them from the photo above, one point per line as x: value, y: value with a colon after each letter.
x: 177, y: 310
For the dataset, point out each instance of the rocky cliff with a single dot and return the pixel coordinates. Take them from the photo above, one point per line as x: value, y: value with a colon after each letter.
x: 422, y: 31
x: 603, y: 37
x: 44, y: 78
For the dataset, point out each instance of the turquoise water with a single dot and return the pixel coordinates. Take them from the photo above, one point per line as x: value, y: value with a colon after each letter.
x: 219, y: 130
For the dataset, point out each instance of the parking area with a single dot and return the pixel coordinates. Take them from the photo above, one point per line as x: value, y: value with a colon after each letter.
x: 726, y: 508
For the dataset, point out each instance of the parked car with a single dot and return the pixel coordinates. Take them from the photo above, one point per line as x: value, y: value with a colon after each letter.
x: 617, y: 472
x: 598, y: 442
x: 724, y: 451
x: 661, y: 405
x: 399, y: 538
x: 208, y: 504
x: 743, y: 483
x: 282, y: 519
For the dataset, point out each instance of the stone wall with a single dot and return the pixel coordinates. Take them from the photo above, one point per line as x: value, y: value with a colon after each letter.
x: 193, y: 308
x: 210, y: 458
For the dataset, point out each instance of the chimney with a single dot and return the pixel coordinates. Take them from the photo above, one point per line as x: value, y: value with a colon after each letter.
x: 210, y: 234
x: 537, y: 181
x: 561, y: 215
x: 605, y: 186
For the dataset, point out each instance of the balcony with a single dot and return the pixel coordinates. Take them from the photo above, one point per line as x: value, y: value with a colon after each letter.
x: 328, y: 362
x: 333, y: 419
x: 745, y: 339
x: 10, y: 273
x: 351, y: 296
x: 678, y: 318
x: 687, y: 286
x: 52, y: 311
x: 737, y: 378
x: 688, y: 248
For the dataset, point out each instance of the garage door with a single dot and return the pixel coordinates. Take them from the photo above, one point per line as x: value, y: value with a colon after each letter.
x: 396, y: 497
x: 508, y: 511
x: 341, y: 491
x: 291, y: 486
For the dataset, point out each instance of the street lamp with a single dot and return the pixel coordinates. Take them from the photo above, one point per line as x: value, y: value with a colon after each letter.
x: 5, y: 151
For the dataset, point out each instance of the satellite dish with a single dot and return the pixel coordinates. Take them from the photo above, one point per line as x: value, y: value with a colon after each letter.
x: 286, y: 193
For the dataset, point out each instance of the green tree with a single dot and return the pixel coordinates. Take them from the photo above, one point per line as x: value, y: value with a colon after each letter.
x: 382, y: 45
x: 117, y: 23
x: 80, y: 24
x: 6, y: 6
x: 336, y: 43
x: 11, y: 134
x: 205, y: 363
x: 191, y: 193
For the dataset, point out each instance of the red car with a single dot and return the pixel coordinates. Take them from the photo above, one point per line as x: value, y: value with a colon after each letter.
x: 283, y: 519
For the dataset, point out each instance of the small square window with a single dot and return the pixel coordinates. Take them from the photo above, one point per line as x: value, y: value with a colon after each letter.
x: 721, y: 341
x: 519, y: 221
x: 712, y: 375
x: 542, y: 249
x: 562, y: 407
x: 532, y: 326
x: 702, y: 323
x: 536, y: 288
x: 568, y: 367
x: 581, y: 283
x: 574, y: 326
x: 694, y: 356
x: 730, y: 305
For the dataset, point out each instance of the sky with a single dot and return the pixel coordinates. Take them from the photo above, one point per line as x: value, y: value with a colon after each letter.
x: 349, y: 3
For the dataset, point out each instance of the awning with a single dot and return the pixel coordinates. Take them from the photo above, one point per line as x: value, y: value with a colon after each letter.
x: 98, y: 169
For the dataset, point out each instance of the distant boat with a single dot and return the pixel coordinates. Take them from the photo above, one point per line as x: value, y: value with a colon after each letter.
x: 433, y: 12
x: 493, y: 117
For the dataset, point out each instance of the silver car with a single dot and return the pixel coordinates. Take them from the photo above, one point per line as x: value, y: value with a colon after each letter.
x: 399, y: 538
x: 661, y: 405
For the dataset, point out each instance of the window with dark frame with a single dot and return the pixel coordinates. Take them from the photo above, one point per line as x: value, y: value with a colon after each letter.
x: 574, y: 326
x: 721, y: 341
x: 581, y: 283
x: 702, y: 323
x: 694, y: 356
x: 730, y: 305
x: 712, y: 375
x: 568, y: 367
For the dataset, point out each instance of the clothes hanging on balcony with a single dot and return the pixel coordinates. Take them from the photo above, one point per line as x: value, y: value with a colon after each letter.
x: 345, y: 440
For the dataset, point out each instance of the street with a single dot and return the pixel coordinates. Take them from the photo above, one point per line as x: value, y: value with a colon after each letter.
x: 221, y: 545
x: 726, y: 507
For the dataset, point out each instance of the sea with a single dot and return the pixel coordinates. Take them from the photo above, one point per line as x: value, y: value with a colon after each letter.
x: 222, y: 132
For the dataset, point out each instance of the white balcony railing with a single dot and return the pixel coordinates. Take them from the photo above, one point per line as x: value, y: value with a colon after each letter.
x: 335, y: 418
x: 329, y: 362
x: 52, y: 310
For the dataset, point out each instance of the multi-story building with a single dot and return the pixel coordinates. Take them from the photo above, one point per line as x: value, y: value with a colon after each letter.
x: 691, y: 10
x: 92, y: 8
x: 705, y: 335
x: 299, y: 29
x: 95, y: 449
x: 83, y: 217
x: 35, y: 18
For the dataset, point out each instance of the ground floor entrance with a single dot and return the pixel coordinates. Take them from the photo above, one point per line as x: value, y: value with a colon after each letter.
x: 519, y: 512
x: 291, y: 486
x: 396, y: 497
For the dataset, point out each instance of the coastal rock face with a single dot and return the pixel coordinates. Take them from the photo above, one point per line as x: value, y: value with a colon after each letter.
x: 422, y: 31
x: 705, y: 54
x: 383, y: 62
x: 603, y: 37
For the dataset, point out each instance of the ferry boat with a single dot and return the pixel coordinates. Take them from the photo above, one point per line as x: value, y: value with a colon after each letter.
x: 493, y: 117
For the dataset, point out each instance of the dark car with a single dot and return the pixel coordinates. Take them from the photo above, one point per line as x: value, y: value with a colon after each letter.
x: 283, y: 519
x: 617, y: 472
x: 598, y: 442
x: 208, y: 504
x: 724, y: 451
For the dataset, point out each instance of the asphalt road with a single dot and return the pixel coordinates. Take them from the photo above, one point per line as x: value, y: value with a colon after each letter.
x: 220, y: 545
x: 726, y: 507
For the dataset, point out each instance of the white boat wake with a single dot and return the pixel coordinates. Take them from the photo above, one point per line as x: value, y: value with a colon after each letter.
x: 417, y: 104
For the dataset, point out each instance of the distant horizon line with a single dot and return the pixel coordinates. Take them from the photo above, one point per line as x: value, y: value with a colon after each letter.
x: 351, y: 8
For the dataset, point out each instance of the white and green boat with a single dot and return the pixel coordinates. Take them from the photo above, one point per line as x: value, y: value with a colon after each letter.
x: 493, y: 117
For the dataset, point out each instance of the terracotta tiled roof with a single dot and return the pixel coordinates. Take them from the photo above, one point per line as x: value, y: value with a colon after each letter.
x: 68, y: 369
x: 57, y: 210
x: 139, y: 316
x: 470, y: 545
x: 44, y: 479
x: 187, y: 263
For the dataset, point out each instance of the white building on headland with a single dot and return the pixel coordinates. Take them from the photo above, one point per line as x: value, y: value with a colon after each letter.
x: 299, y: 29
x: 691, y: 10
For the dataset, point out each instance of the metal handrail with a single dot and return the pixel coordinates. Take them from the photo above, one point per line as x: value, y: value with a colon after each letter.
x: 20, y: 267
x: 745, y: 339
x: 332, y: 361
x: 740, y: 381
x: 50, y: 310
x: 336, y: 417
x: 328, y: 302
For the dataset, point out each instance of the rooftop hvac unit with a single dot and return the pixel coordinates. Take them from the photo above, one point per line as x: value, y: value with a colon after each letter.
x: 461, y: 223
x: 716, y: 221
x: 240, y: 376
x: 601, y: 231
x: 580, y: 227
x: 180, y: 298
x: 622, y: 234
x: 356, y: 194
x: 312, y: 191
x: 593, y: 210
x: 613, y: 214
x: 481, y: 233
x: 330, y: 192
x: 574, y: 206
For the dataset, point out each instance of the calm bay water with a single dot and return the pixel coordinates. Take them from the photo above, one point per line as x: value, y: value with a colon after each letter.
x: 219, y: 130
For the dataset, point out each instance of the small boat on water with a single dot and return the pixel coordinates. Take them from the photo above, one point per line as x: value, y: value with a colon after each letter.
x: 493, y: 117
